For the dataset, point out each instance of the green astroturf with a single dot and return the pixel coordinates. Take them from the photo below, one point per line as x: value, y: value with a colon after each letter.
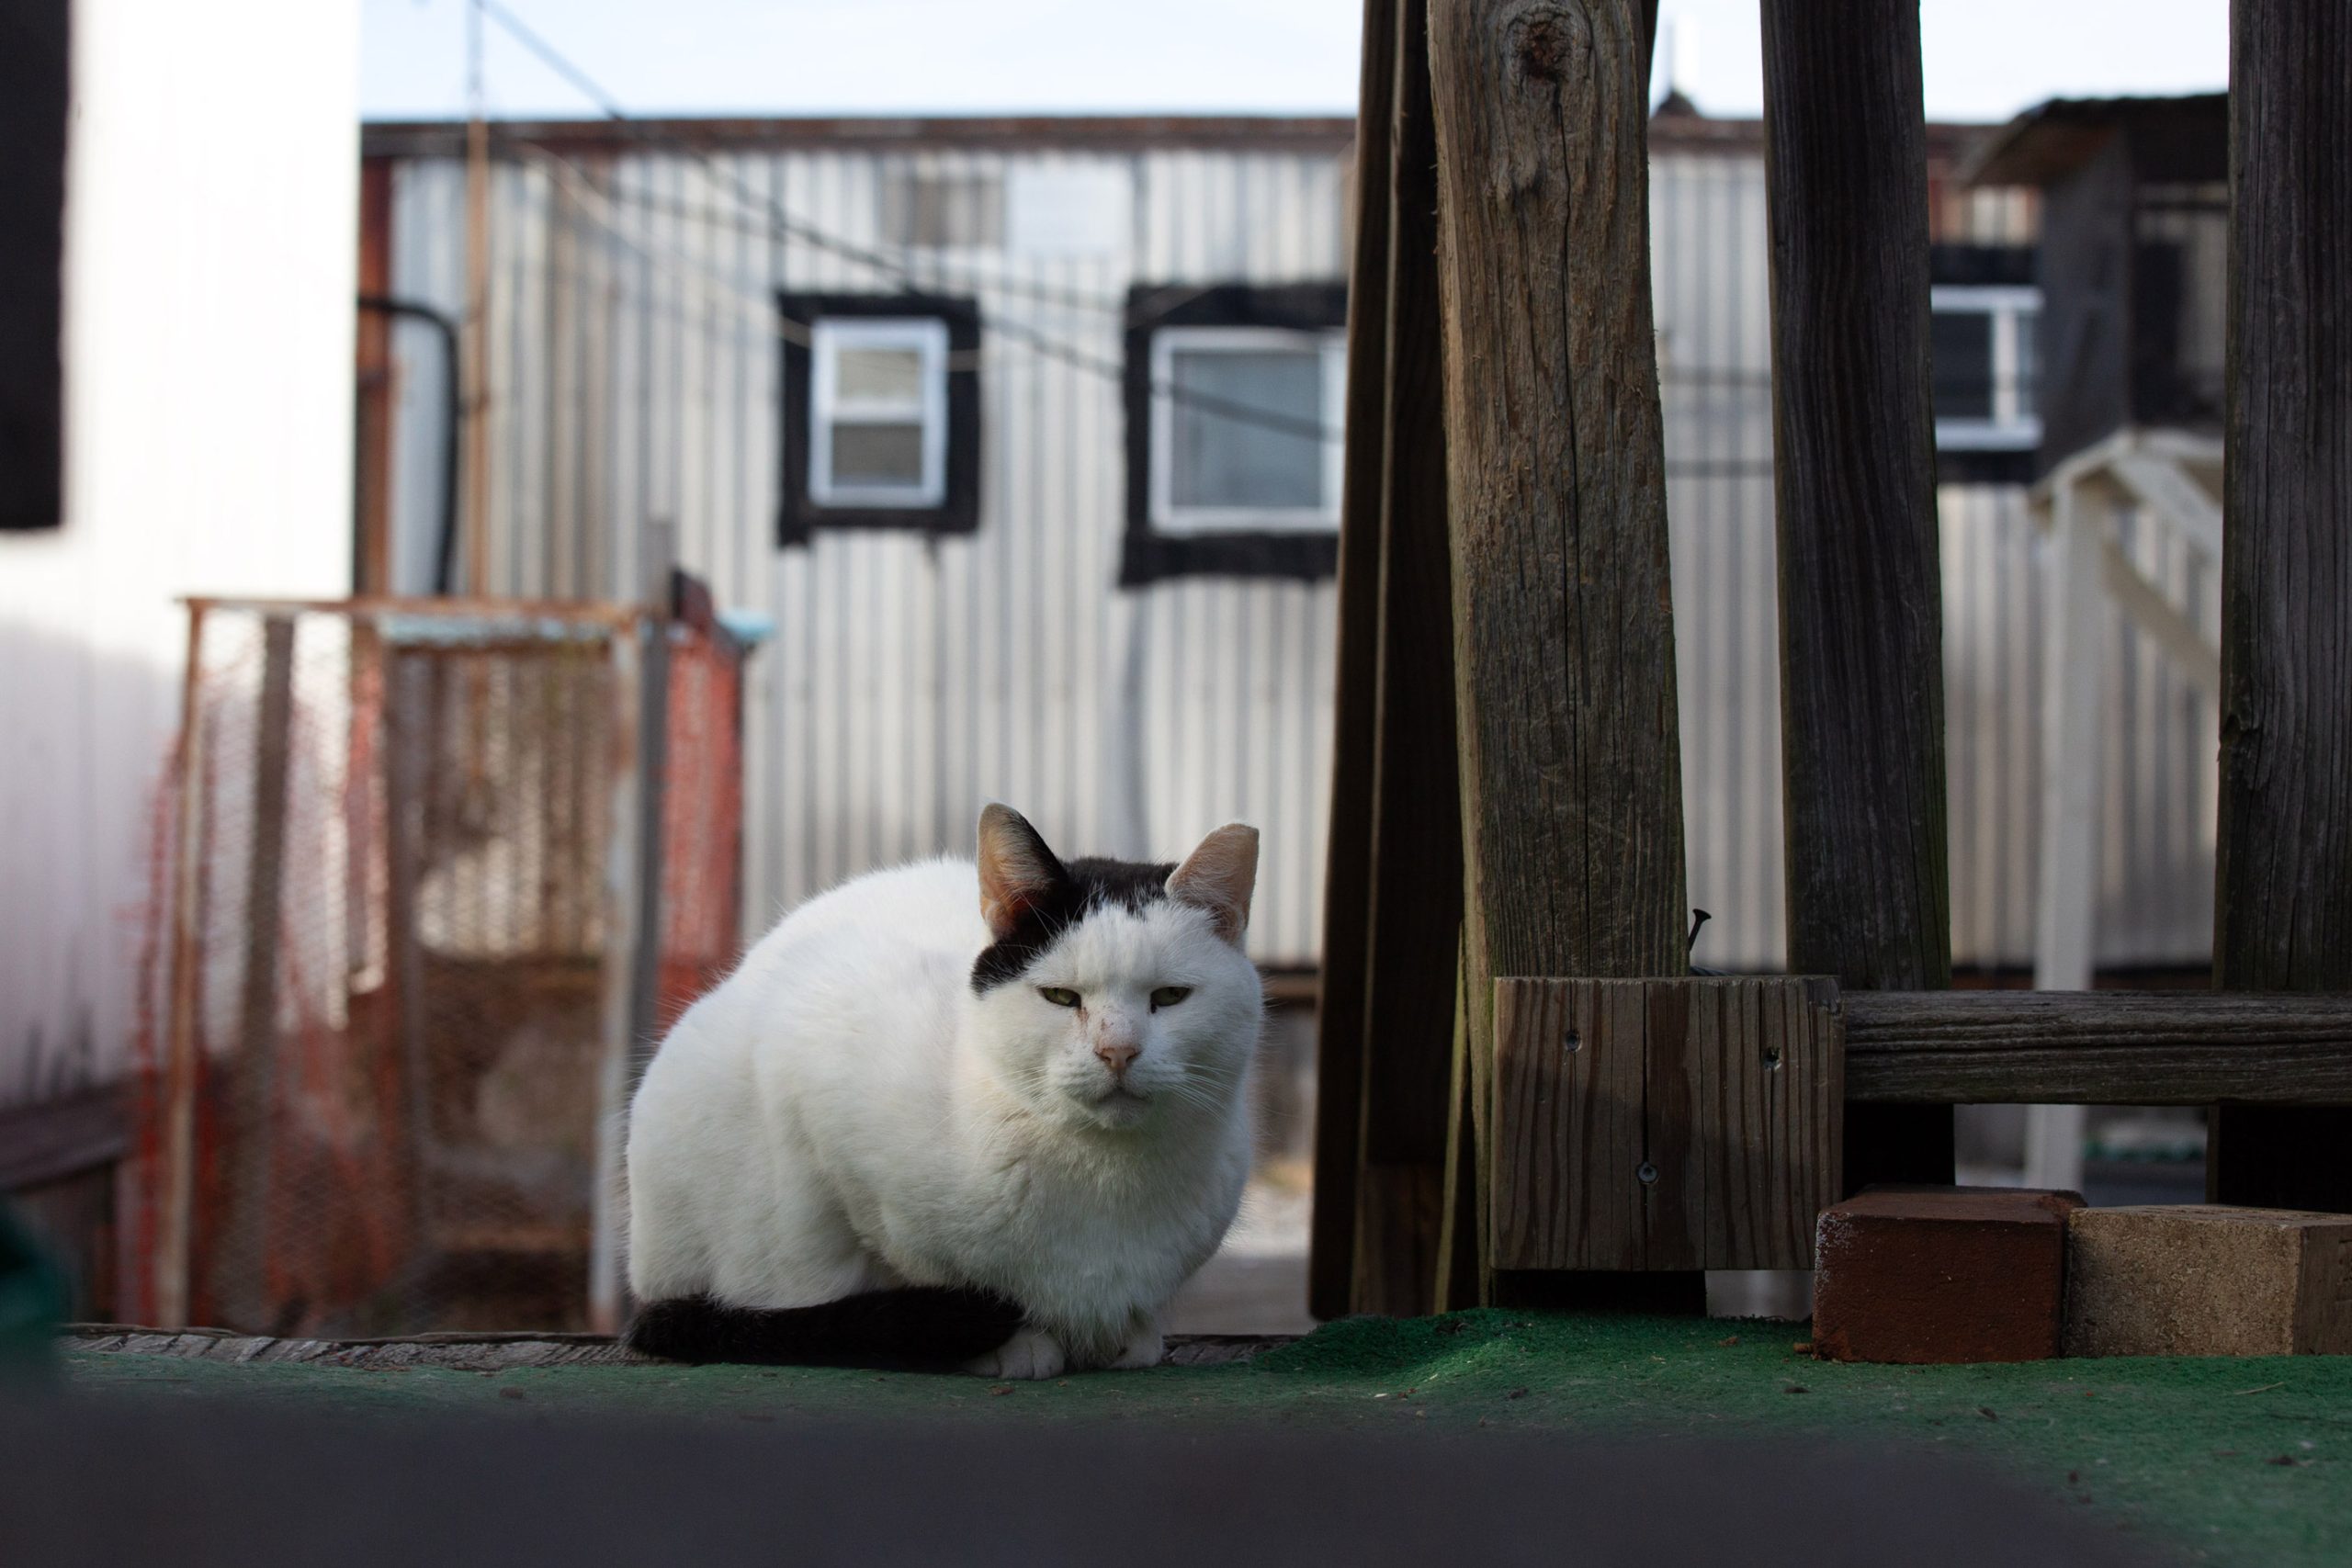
x: 2242, y: 1462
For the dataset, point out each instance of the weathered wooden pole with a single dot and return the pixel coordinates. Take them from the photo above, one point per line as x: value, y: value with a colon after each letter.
x: 1563, y: 620
x: 1854, y: 465
x: 2283, y: 891
x: 174, y: 1230
x: 1347, y: 873
x: 240, y: 1264
x: 1416, y: 872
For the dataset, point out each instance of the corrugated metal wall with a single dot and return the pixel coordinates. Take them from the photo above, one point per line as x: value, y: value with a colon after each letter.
x: 208, y: 354
x: 636, y: 376
x: 909, y: 679
x: 2154, y: 905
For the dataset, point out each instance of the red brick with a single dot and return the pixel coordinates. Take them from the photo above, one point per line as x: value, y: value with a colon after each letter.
x: 1937, y: 1274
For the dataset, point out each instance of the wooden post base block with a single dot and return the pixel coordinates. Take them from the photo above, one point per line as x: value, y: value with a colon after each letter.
x: 2204, y: 1279
x: 1941, y: 1274
x: 1664, y: 1125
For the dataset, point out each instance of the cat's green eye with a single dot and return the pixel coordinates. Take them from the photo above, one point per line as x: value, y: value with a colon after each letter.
x: 1057, y: 996
x: 1169, y: 996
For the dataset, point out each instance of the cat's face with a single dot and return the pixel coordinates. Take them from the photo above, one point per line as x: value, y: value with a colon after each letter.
x: 1117, y: 996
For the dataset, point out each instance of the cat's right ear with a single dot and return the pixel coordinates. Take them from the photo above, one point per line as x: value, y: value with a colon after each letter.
x: 1016, y: 868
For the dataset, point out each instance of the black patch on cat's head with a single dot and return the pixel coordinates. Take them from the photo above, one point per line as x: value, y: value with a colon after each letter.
x: 1083, y: 886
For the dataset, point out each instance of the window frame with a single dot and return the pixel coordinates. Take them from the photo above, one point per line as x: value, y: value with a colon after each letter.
x: 2010, y: 308
x: 948, y: 501
x: 927, y: 336
x: 1330, y: 349
x: 1224, y: 542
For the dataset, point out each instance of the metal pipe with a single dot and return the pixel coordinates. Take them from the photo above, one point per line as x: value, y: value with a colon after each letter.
x: 454, y: 422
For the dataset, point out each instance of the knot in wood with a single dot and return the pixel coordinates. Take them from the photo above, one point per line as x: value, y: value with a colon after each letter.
x: 1551, y: 43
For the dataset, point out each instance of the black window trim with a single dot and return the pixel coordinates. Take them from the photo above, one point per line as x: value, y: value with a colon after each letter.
x: 36, y: 109
x: 1150, y: 556
x: 800, y: 517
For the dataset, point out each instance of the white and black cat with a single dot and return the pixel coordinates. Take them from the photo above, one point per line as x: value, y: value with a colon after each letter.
x: 997, y: 1110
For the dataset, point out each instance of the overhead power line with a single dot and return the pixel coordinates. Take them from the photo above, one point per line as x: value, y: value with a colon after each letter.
x: 785, y: 224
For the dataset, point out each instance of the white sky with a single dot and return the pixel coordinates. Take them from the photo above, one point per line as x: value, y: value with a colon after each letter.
x: 1983, y: 59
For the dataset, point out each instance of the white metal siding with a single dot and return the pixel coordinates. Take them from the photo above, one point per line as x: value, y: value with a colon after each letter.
x: 1710, y: 282
x: 1707, y: 231
x: 210, y: 221
x: 636, y: 377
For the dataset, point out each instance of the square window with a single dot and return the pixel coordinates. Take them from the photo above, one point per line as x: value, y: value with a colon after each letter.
x: 1985, y: 367
x: 1242, y: 428
x: 1960, y: 348
x: 881, y: 413
x: 1235, y: 399
x: 878, y: 412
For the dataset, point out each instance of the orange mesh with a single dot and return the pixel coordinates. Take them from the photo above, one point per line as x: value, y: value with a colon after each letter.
x: 702, y: 817
x: 384, y: 969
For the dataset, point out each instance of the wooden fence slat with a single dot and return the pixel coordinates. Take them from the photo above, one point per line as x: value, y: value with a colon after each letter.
x: 1664, y: 1125
x: 1854, y: 465
x: 1415, y: 873
x: 2098, y: 1048
x: 1677, y: 1092
x: 1767, y: 1159
x: 1459, y: 1222
x: 1563, y: 617
x: 173, y: 1243
x: 1347, y: 881
x: 2283, y: 897
x: 237, y: 1269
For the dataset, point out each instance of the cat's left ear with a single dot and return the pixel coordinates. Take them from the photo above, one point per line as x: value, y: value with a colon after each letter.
x: 1219, y: 877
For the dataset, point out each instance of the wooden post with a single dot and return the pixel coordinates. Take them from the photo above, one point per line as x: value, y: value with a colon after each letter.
x: 658, y: 567
x: 1415, y: 904
x: 1563, y: 618
x: 239, y: 1271
x: 615, y: 1069
x: 1347, y: 873
x: 632, y: 960
x: 417, y: 683
x: 2283, y: 889
x: 2065, y: 905
x: 183, y: 1051
x: 1861, y: 610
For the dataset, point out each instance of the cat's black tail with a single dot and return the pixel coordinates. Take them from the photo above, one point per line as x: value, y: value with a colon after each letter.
x: 925, y: 1327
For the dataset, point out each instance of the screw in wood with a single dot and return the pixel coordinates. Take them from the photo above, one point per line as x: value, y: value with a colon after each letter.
x: 1648, y: 1173
x: 1572, y: 1042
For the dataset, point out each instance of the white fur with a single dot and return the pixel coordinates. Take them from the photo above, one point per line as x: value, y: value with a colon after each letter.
x: 843, y: 1113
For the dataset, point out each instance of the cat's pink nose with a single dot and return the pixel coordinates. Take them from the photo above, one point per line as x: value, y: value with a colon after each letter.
x: 1116, y: 1053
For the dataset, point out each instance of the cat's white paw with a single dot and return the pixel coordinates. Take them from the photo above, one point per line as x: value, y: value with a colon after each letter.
x: 1032, y: 1353
x: 1144, y: 1350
